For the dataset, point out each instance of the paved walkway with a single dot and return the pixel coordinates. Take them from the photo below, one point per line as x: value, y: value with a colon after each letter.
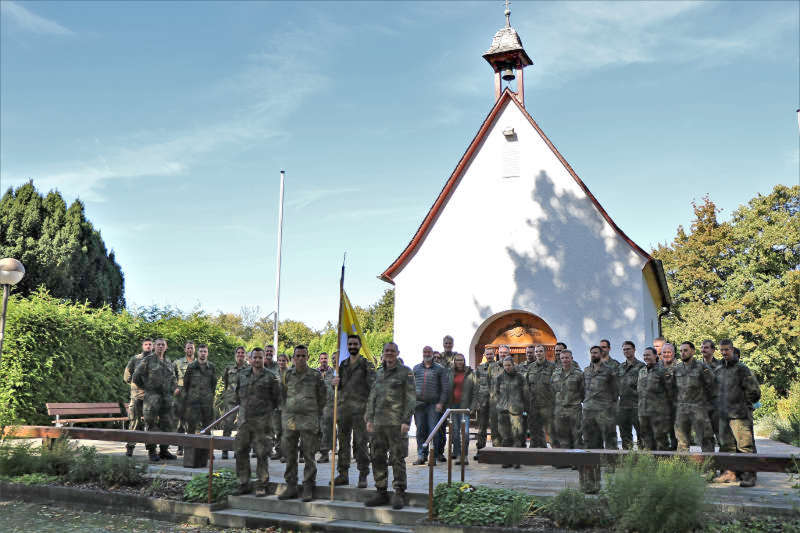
x: 772, y: 490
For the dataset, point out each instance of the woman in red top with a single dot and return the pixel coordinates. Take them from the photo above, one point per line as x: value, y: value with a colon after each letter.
x: 463, y: 386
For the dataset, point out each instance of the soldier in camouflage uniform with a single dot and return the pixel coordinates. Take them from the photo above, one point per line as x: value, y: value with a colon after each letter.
x: 599, y: 406
x: 156, y: 376
x: 229, y: 393
x: 199, y: 384
x: 737, y: 391
x: 326, y: 422
x: 390, y: 405
x: 541, y: 396
x: 655, y: 399
x: 567, y: 383
x: 484, y: 415
x: 503, y: 351
x: 275, y: 424
x: 135, y: 406
x: 692, y: 384
x: 447, y: 352
x: 707, y: 349
x: 668, y: 362
x: 605, y: 348
x: 277, y: 414
x: 355, y: 380
x: 511, y: 394
x: 257, y: 392
x: 179, y: 401
x: 628, y: 407
x: 303, y: 397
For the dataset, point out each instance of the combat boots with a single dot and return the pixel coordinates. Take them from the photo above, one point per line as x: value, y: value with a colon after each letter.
x: 398, y: 499
x: 381, y: 498
x: 152, y: 455
x: 164, y: 453
x: 180, y: 451
x: 224, y: 454
x: 341, y: 479
x: 748, y: 479
x: 362, y: 480
x: 308, y: 492
x: 288, y: 493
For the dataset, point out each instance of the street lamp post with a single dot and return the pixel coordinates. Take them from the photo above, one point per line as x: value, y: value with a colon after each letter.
x: 11, y: 272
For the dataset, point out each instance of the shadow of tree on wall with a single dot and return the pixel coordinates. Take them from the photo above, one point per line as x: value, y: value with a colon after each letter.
x: 571, y: 264
x: 577, y: 259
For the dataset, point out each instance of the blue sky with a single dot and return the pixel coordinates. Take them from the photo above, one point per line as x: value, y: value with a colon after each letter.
x: 171, y: 122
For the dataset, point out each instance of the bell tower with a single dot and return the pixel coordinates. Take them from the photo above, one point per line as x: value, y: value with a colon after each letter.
x: 508, y: 59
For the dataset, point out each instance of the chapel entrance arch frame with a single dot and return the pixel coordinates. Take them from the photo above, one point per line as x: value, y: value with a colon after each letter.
x: 517, y: 328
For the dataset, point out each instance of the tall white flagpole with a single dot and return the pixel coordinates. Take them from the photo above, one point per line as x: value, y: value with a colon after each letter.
x: 278, y: 267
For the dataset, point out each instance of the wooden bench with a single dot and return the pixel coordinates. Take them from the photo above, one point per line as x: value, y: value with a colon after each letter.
x: 88, y: 412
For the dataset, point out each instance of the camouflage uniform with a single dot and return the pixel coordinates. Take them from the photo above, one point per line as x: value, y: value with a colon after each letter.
x: 511, y: 395
x: 601, y: 393
x: 568, y: 395
x: 692, y: 386
x: 540, y: 406
x: 135, y: 405
x: 355, y: 384
x: 628, y: 407
x: 326, y: 422
x: 447, y: 359
x: 199, y: 384
x: 390, y: 404
x: 179, y: 401
x: 303, y: 398
x: 257, y: 395
x: 737, y: 391
x: 672, y: 439
x: 482, y: 402
x: 229, y: 396
x: 713, y: 416
x: 599, y: 406
x: 156, y: 376
x: 275, y: 414
x: 654, y: 404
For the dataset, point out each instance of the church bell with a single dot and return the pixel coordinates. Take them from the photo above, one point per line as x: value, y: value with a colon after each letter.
x: 508, y: 73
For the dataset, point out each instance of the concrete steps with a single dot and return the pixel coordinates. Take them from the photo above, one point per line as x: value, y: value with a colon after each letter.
x: 332, y: 510
x: 346, y: 513
x: 240, y: 518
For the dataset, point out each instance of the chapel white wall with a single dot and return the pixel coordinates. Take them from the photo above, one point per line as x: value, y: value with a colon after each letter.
x: 533, y: 242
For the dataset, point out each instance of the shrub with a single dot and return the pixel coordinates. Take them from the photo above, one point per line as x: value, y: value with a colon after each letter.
x: 644, y: 493
x: 464, y: 504
x: 19, y: 458
x: 784, y: 424
x: 108, y: 470
x: 571, y: 508
x: 223, y: 483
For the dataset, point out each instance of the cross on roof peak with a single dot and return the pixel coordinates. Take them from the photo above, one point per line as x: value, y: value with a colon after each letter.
x: 508, y: 13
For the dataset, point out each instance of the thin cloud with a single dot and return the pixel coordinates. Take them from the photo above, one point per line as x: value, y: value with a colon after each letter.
x: 26, y: 20
x: 258, y: 113
x: 305, y: 197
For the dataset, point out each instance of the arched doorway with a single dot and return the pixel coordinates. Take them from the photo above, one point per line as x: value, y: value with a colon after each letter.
x: 517, y: 329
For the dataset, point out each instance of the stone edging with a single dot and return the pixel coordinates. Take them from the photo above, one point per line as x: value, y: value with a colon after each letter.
x: 95, y: 500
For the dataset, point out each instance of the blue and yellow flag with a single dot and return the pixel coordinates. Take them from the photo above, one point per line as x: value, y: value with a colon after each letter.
x: 349, y: 326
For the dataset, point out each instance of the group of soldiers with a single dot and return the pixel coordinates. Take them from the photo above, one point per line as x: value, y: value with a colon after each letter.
x: 288, y: 405
x: 668, y: 403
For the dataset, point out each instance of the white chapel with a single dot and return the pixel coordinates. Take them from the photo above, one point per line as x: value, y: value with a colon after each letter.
x: 549, y: 265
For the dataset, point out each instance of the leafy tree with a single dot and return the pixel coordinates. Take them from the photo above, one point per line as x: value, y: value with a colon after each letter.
x: 741, y: 279
x: 59, y: 248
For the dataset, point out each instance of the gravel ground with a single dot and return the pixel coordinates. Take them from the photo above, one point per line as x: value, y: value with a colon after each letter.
x: 21, y: 517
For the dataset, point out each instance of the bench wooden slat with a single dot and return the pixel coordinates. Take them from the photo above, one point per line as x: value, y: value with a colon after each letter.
x: 107, y: 410
x: 121, y: 435
x: 102, y: 419
x: 80, y: 405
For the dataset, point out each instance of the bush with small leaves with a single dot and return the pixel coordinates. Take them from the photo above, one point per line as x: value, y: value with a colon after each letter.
x: 223, y: 483
x: 571, y: 508
x: 644, y: 492
x: 464, y: 504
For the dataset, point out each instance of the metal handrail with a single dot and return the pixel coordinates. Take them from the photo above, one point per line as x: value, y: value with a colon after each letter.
x: 207, y: 431
x: 432, y: 452
x: 441, y: 421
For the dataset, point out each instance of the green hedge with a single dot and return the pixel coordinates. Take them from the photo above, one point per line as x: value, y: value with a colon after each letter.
x: 60, y: 351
